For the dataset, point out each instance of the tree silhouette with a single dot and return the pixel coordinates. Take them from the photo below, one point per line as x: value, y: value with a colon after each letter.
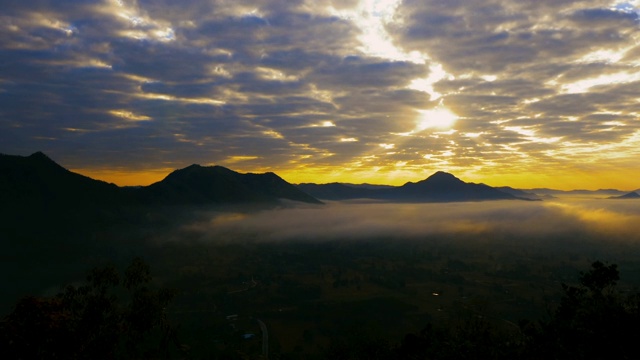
x: 107, y: 317
x: 593, y: 321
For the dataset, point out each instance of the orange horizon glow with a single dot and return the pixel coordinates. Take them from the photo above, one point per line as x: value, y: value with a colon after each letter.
x: 626, y: 181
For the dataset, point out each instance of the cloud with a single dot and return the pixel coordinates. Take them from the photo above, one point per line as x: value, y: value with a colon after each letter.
x: 501, y: 221
x: 217, y: 79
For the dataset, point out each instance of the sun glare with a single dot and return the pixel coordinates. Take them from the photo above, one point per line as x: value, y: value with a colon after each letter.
x: 440, y: 118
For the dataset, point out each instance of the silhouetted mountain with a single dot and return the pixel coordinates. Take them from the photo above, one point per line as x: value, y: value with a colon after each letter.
x: 631, y: 195
x: 218, y: 185
x: 444, y: 187
x: 337, y: 191
x: 439, y: 187
x: 578, y: 192
x: 37, y: 183
x: 368, y: 186
x: 522, y: 194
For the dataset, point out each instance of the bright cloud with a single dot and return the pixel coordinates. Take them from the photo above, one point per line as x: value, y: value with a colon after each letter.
x: 311, y: 90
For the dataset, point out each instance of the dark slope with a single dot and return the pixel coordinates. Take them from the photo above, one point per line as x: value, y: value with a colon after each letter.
x: 439, y: 187
x: 444, y: 187
x: 36, y: 183
x: 521, y: 193
x: 200, y: 185
x: 337, y: 191
x: 53, y: 222
x: 631, y: 195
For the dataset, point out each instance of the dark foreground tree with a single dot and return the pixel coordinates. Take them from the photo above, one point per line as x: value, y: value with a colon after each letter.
x: 593, y: 321
x: 110, y: 316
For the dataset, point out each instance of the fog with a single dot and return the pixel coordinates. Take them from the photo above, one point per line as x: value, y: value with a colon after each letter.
x: 586, y: 219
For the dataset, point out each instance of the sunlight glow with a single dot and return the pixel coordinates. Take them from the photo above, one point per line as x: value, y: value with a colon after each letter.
x: 154, y: 96
x: 235, y: 159
x: 266, y: 73
x: 139, y: 25
x: 327, y: 124
x: 440, y: 117
x: 604, y: 56
x: 129, y: 116
x: 610, y: 79
x: 489, y: 78
x: 628, y: 6
x: 372, y: 16
x: 273, y: 134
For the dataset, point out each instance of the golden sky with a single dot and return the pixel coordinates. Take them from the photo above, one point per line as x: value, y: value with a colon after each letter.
x: 506, y: 92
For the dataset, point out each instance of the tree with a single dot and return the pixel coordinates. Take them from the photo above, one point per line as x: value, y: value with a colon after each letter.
x: 592, y: 321
x: 107, y: 317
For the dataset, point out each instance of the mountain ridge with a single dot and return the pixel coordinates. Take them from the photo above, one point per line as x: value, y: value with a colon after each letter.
x: 27, y: 180
x: 200, y: 185
x: 38, y: 183
x: 438, y: 187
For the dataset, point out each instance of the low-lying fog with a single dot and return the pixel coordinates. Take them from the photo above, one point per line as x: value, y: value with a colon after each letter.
x: 613, y: 220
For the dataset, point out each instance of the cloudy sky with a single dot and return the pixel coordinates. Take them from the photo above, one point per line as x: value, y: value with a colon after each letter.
x: 506, y: 92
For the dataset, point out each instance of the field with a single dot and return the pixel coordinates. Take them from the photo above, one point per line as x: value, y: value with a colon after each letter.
x: 310, y: 295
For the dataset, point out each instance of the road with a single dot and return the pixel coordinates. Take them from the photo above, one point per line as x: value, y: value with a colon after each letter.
x: 265, y: 338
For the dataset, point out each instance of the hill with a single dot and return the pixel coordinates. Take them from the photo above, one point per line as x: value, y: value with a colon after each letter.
x: 444, y: 187
x: 439, y: 187
x: 630, y: 195
x: 338, y: 191
x: 198, y: 185
x: 36, y: 183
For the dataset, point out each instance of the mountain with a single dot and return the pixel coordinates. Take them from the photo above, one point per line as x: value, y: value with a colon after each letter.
x: 444, y: 187
x: 439, y: 187
x: 338, y: 191
x: 630, y: 195
x: 522, y: 194
x: 367, y: 186
x: 579, y: 192
x: 199, y: 185
x: 36, y: 182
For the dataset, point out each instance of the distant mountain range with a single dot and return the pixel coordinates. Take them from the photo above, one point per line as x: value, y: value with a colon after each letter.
x: 439, y: 187
x: 37, y: 183
x: 630, y: 195
x: 203, y: 185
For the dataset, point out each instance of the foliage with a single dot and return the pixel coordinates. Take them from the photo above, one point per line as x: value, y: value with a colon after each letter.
x: 593, y: 321
x: 107, y: 317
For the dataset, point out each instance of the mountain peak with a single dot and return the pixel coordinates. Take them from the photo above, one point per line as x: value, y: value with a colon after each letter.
x: 40, y: 156
x: 442, y: 176
x: 40, y: 159
x: 198, y: 184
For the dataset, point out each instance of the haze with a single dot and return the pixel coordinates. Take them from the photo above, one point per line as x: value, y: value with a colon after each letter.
x: 515, y: 222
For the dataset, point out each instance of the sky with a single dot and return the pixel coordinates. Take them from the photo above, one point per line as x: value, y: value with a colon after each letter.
x: 529, y: 94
